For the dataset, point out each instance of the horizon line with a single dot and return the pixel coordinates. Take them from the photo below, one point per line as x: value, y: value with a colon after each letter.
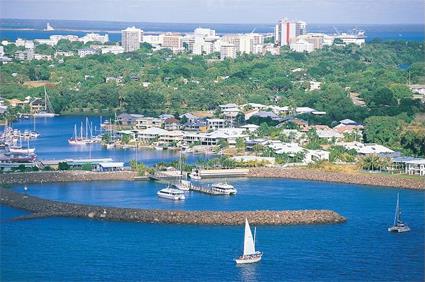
x: 223, y: 23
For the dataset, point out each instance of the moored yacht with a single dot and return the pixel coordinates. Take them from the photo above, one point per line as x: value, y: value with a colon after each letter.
x: 398, y: 226
x: 183, y: 185
x: 250, y: 255
x: 171, y: 194
x: 224, y: 188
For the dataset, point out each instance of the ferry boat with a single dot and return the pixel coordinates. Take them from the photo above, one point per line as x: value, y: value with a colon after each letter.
x: 250, y: 255
x: 224, y: 188
x: 171, y: 194
x: 398, y: 226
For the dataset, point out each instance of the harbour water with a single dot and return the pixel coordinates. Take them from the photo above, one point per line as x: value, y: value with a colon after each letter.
x: 52, y: 144
x: 359, y: 250
x: 12, y: 29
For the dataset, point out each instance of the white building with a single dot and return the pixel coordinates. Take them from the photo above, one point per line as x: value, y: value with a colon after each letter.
x: 114, y: 49
x: 203, y: 32
x: 227, y: 50
x: 131, y: 38
x: 86, y: 52
x: 94, y: 37
x: 301, y: 46
x: 215, y: 123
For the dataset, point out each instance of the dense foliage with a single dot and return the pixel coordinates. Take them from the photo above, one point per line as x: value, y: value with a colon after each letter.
x: 157, y: 82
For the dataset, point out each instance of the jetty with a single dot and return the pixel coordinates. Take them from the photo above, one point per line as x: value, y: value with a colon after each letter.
x: 39, y: 208
x: 204, y: 189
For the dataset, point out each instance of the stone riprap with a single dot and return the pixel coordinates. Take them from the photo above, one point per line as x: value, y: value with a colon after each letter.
x: 375, y: 179
x: 63, y: 176
x: 44, y: 208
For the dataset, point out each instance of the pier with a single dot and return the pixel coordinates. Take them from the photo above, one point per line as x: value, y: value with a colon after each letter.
x: 45, y: 208
x: 205, y: 190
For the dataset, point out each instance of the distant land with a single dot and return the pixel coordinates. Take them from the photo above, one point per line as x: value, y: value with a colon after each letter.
x: 30, y: 29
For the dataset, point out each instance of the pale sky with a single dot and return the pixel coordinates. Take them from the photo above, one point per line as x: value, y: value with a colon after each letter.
x: 219, y: 11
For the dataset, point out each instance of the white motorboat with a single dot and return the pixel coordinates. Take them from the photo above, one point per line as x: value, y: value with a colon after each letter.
x: 224, y: 188
x: 398, y: 226
x: 250, y: 255
x: 183, y: 185
x: 171, y: 194
x: 195, y: 176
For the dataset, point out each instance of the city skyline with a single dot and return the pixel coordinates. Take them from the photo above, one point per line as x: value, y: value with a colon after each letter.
x: 219, y: 11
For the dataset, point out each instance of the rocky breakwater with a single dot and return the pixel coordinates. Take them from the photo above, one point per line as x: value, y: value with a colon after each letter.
x: 63, y: 176
x: 384, y: 180
x: 44, y: 208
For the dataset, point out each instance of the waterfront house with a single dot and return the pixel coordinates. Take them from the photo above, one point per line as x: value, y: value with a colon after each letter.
x: 250, y: 127
x: 110, y: 166
x: 148, y: 122
x: 128, y: 119
x: 37, y: 105
x: 197, y: 125
x: 365, y: 149
x: 416, y: 167
x: 173, y: 136
x: 216, y: 123
x: 171, y: 124
x: 150, y: 134
x: 312, y: 156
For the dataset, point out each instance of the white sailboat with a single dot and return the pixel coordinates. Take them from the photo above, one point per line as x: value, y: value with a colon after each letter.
x: 182, y: 184
x: 249, y: 253
x: 398, y: 226
x: 47, y: 112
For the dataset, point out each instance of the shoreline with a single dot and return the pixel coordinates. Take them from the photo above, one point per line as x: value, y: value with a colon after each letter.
x: 379, y: 180
x: 41, y: 208
x: 358, y: 178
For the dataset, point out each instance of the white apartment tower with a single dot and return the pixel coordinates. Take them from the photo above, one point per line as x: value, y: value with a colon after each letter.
x: 286, y: 31
x: 131, y: 38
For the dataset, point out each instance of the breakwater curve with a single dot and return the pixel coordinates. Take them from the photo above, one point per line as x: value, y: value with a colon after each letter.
x: 46, y: 208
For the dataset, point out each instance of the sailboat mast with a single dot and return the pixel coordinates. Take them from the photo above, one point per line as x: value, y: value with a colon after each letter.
x: 255, y: 233
x: 397, y: 210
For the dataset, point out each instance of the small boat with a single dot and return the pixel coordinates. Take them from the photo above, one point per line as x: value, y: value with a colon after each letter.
x: 398, y: 226
x: 249, y: 253
x: 49, y: 27
x: 171, y: 194
x: 195, y: 176
x: 224, y: 188
x: 21, y: 150
x: 47, y: 112
x: 183, y: 185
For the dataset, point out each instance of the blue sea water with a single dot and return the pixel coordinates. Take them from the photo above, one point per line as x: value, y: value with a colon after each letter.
x: 55, y: 132
x: 414, y: 32
x: 361, y: 249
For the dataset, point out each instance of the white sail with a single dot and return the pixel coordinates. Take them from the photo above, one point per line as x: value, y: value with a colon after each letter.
x: 248, y: 247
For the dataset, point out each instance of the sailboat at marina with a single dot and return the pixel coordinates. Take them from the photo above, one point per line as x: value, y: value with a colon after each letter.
x: 182, y: 184
x: 398, y: 226
x: 250, y: 255
x: 84, y: 138
x: 47, y: 112
x: 19, y: 149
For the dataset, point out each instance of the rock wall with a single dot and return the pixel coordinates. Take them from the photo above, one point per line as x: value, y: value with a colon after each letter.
x: 43, y: 208
x: 63, y: 176
x: 352, y: 178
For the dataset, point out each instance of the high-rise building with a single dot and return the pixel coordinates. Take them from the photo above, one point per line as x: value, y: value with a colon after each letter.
x: 131, y: 38
x: 227, y: 50
x: 172, y: 40
x: 286, y: 31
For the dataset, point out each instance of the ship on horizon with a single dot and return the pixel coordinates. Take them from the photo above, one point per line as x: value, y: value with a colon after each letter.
x: 49, y: 27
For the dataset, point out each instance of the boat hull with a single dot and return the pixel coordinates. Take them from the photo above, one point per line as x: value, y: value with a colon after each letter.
x: 171, y: 197
x: 249, y: 259
x: 399, y: 229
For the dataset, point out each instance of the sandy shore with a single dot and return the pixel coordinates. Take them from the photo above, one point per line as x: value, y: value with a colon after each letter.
x: 397, y: 181
x: 45, y: 208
